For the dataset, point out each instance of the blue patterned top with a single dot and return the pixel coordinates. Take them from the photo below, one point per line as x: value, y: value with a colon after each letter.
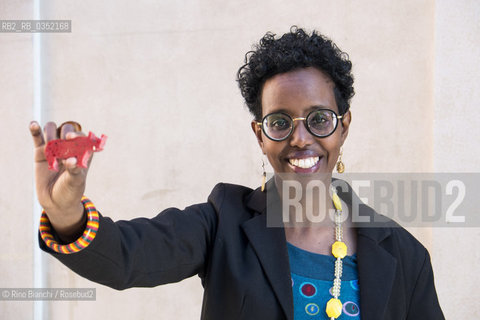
x: 312, y: 281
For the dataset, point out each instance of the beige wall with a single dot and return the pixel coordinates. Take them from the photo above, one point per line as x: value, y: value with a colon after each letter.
x: 456, y: 149
x: 158, y: 78
x: 16, y: 95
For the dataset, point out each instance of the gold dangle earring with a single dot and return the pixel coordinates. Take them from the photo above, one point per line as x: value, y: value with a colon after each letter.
x: 264, y: 176
x: 340, y: 165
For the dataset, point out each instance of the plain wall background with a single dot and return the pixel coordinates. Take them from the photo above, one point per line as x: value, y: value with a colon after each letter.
x: 158, y: 77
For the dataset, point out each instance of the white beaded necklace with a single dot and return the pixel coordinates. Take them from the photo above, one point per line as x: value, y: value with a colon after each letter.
x: 339, y: 251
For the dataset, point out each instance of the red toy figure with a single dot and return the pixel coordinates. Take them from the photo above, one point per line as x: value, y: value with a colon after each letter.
x: 80, y: 147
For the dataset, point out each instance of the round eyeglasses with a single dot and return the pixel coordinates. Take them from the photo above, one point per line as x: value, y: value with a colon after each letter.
x: 278, y: 126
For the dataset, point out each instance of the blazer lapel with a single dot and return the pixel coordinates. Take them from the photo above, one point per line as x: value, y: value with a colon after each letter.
x: 376, y: 266
x: 376, y: 272
x: 270, y: 246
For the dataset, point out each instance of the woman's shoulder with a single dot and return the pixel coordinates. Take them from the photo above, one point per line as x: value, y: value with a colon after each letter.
x: 224, y: 189
x: 236, y: 200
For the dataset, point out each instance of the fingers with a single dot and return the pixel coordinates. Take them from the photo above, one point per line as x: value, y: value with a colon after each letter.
x: 67, y: 130
x: 50, y: 131
x: 64, y: 130
x: 71, y: 166
x: 74, y: 134
x: 69, y: 126
x: 70, y: 130
x: 37, y: 135
x: 38, y: 142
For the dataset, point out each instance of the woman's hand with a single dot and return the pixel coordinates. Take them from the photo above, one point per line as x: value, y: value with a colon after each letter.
x: 59, y: 193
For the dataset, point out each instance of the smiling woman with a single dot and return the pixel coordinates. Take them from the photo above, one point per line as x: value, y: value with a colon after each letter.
x: 307, y: 93
x: 298, y: 88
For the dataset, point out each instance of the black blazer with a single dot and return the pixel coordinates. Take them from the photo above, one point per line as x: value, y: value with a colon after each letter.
x: 244, y: 266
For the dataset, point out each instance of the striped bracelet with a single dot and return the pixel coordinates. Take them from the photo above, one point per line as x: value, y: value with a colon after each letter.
x: 82, y: 242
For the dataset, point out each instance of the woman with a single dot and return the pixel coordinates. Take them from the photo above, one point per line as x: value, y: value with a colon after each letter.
x: 298, y: 88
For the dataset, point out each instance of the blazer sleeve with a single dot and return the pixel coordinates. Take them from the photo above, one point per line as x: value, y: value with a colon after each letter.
x: 145, y: 252
x: 424, y: 301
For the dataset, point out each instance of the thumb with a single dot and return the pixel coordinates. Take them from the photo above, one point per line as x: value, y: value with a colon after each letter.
x: 75, y: 175
x: 71, y: 166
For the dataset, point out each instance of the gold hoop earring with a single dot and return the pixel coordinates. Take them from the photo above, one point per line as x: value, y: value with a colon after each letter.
x: 340, y: 165
x: 264, y: 176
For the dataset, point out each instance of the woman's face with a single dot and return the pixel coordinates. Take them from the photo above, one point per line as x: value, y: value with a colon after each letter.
x: 297, y: 93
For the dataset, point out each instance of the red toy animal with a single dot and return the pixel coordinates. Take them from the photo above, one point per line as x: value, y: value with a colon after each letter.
x: 80, y: 147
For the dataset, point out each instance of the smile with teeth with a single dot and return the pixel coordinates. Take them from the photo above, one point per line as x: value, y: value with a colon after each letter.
x: 304, y: 163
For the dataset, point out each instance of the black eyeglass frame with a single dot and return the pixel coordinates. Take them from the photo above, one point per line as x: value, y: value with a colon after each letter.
x: 305, y: 122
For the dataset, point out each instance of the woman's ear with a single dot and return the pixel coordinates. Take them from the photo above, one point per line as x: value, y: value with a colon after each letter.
x: 257, y: 130
x: 345, y: 125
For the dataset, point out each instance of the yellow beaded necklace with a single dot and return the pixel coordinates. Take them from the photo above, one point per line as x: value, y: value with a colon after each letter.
x: 339, y: 251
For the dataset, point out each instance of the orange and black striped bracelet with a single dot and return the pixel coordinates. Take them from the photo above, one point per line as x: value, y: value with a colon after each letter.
x: 82, y: 242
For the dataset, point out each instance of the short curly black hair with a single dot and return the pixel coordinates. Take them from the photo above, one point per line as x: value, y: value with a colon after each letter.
x: 295, y: 49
